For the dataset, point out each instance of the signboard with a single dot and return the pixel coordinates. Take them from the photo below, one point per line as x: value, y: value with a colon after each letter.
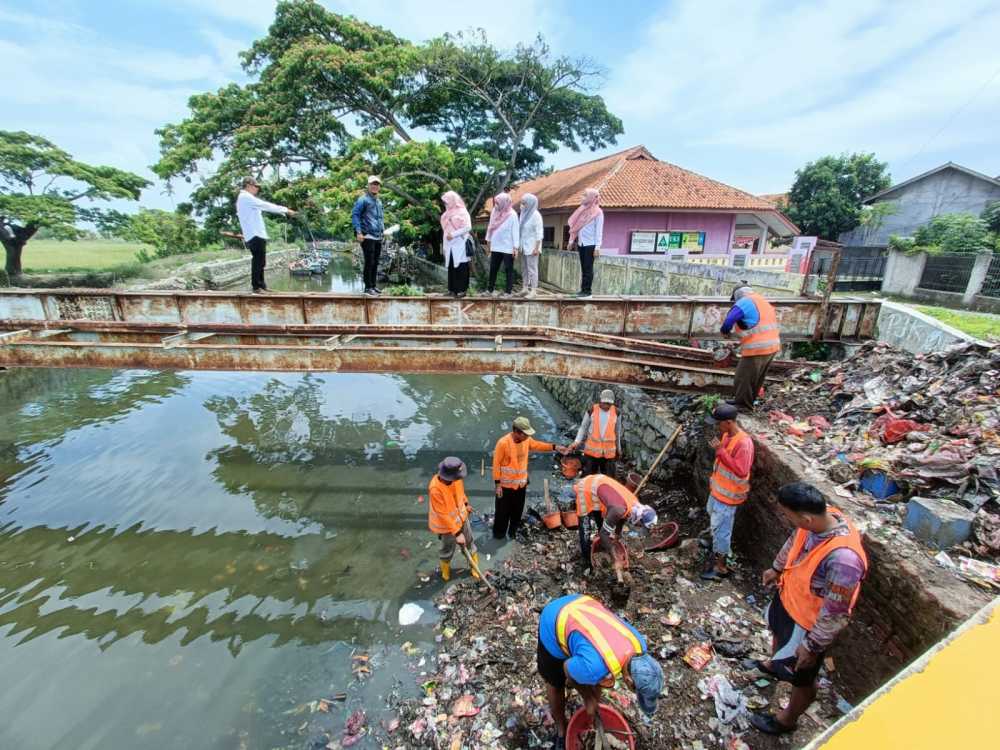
x: 744, y: 242
x: 643, y: 242
x: 662, y: 242
x: 692, y: 242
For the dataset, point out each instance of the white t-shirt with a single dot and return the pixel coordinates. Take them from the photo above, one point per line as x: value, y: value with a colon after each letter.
x: 507, y: 236
x: 592, y: 233
x: 532, y: 233
x: 248, y: 211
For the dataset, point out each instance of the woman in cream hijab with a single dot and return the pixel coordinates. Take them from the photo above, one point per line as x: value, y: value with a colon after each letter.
x: 531, y: 243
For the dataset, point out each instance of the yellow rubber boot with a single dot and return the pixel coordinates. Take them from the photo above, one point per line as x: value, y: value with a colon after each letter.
x: 475, y: 559
x: 445, y: 570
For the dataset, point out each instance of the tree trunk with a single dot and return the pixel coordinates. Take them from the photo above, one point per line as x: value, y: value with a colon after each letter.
x: 13, y: 241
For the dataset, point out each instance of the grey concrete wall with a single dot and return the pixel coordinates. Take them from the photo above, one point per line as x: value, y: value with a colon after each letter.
x: 644, y: 276
x: 902, y: 273
x: 949, y: 191
x: 912, y: 331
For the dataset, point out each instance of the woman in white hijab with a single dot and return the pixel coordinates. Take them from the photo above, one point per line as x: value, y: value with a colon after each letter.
x: 531, y: 243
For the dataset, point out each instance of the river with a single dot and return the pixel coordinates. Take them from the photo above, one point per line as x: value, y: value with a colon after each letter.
x: 187, y: 559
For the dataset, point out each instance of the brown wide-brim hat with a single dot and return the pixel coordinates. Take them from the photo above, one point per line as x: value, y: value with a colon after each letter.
x: 452, y: 468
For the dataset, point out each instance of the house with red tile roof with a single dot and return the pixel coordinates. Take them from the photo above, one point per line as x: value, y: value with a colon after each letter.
x: 657, y: 209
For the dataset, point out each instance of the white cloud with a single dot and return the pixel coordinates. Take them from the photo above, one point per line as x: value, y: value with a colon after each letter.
x: 507, y: 23
x: 810, y: 79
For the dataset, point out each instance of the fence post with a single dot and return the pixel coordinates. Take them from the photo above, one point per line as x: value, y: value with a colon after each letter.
x: 977, y: 277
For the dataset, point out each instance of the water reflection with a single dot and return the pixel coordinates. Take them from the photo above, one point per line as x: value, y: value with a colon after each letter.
x: 185, y: 557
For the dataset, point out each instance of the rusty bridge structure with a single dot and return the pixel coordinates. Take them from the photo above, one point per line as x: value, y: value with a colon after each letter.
x: 629, y: 340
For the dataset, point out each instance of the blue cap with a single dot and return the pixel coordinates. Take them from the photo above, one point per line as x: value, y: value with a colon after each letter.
x: 648, y: 678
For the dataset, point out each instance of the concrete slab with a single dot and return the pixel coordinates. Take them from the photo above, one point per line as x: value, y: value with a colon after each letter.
x: 940, y: 523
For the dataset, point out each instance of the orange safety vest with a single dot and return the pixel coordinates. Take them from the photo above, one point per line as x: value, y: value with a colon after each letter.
x: 447, y: 508
x: 795, y: 583
x: 587, y: 500
x: 596, y: 445
x: 723, y: 485
x: 613, y: 639
x: 763, y: 338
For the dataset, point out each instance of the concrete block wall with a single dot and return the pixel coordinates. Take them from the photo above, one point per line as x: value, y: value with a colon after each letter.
x: 902, y: 278
x: 643, y: 276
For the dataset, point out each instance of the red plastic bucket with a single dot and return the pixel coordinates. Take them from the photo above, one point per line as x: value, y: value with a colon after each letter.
x: 614, y: 723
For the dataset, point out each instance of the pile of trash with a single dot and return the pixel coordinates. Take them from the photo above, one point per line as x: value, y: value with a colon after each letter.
x: 893, y: 425
x: 481, y: 689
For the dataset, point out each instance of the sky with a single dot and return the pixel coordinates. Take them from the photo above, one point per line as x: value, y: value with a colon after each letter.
x: 744, y: 92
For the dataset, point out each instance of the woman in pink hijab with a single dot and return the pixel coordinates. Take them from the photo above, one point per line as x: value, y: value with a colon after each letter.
x: 456, y: 227
x: 586, y: 229
x: 502, y: 240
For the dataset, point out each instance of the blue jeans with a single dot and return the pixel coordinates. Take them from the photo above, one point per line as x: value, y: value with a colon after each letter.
x: 721, y: 517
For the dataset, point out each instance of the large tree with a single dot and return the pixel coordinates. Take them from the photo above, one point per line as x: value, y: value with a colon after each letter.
x: 451, y: 113
x: 826, y: 197
x: 43, y: 186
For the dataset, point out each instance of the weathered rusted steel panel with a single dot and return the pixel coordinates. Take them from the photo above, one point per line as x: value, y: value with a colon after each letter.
x: 869, y: 321
x: 642, y: 317
x: 269, y: 356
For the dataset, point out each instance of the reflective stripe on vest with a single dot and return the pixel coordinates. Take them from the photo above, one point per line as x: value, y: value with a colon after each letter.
x: 613, y: 639
x: 796, y: 579
x: 764, y: 338
x: 725, y: 486
x: 515, y: 474
x: 601, y: 446
x: 445, y: 520
x: 587, y: 500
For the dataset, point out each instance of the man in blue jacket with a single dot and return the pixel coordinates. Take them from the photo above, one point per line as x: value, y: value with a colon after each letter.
x: 368, y: 227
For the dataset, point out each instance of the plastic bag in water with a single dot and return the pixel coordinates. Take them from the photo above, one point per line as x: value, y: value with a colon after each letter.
x: 409, y: 613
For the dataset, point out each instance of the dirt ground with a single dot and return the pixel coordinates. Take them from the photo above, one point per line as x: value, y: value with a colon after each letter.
x: 482, y: 690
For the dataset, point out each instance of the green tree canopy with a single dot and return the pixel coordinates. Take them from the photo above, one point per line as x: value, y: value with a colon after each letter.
x: 991, y: 215
x: 333, y: 98
x: 826, y: 196
x: 42, y: 186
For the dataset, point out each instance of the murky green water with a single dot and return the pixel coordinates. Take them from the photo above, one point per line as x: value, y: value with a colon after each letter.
x: 188, y: 558
x: 342, y: 276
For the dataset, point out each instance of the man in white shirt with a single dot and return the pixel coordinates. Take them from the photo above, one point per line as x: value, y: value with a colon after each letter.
x: 248, y: 211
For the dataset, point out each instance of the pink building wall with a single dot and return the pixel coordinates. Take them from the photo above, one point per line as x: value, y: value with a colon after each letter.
x: 718, y: 228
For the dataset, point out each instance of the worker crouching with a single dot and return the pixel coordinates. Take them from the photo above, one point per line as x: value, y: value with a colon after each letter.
x: 603, y: 505
x: 448, y: 514
x: 584, y: 645
x: 819, y: 572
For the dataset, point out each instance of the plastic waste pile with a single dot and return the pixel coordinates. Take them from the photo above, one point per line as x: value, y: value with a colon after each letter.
x: 887, y: 425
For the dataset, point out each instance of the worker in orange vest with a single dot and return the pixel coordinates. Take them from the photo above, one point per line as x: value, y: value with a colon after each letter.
x: 448, y: 512
x: 600, y: 434
x: 510, y: 474
x: 583, y: 644
x: 756, y: 324
x: 604, y: 504
x: 728, y: 487
x: 819, y: 572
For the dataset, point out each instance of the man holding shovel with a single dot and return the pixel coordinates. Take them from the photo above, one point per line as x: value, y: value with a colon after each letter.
x: 583, y: 644
x: 448, y: 514
x: 606, y: 504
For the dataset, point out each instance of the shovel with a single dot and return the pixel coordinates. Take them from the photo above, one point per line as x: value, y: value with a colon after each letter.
x: 657, y: 461
x: 475, y: 568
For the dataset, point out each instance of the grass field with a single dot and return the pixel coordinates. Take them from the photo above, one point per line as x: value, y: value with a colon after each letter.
x: 79, y: 255
x: 980, y: 325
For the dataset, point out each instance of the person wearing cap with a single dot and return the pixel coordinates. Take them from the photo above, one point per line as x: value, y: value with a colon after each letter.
x: 728, y: 487
x: 756, y: 324
x: 600, y: 434
x: 249, y: 210
x: 510, y: 475
x: 818, y: 571
x: 606, y: 504
x: 448, y: 512
x: 584, y: 645
x: 368, y: 227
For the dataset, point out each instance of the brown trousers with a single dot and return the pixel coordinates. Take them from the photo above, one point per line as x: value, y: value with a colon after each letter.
x: 749, y: 378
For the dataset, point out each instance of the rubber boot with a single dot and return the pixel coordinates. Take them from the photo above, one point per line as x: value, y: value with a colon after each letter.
x: 475, y: 559
x: 445, y: 570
